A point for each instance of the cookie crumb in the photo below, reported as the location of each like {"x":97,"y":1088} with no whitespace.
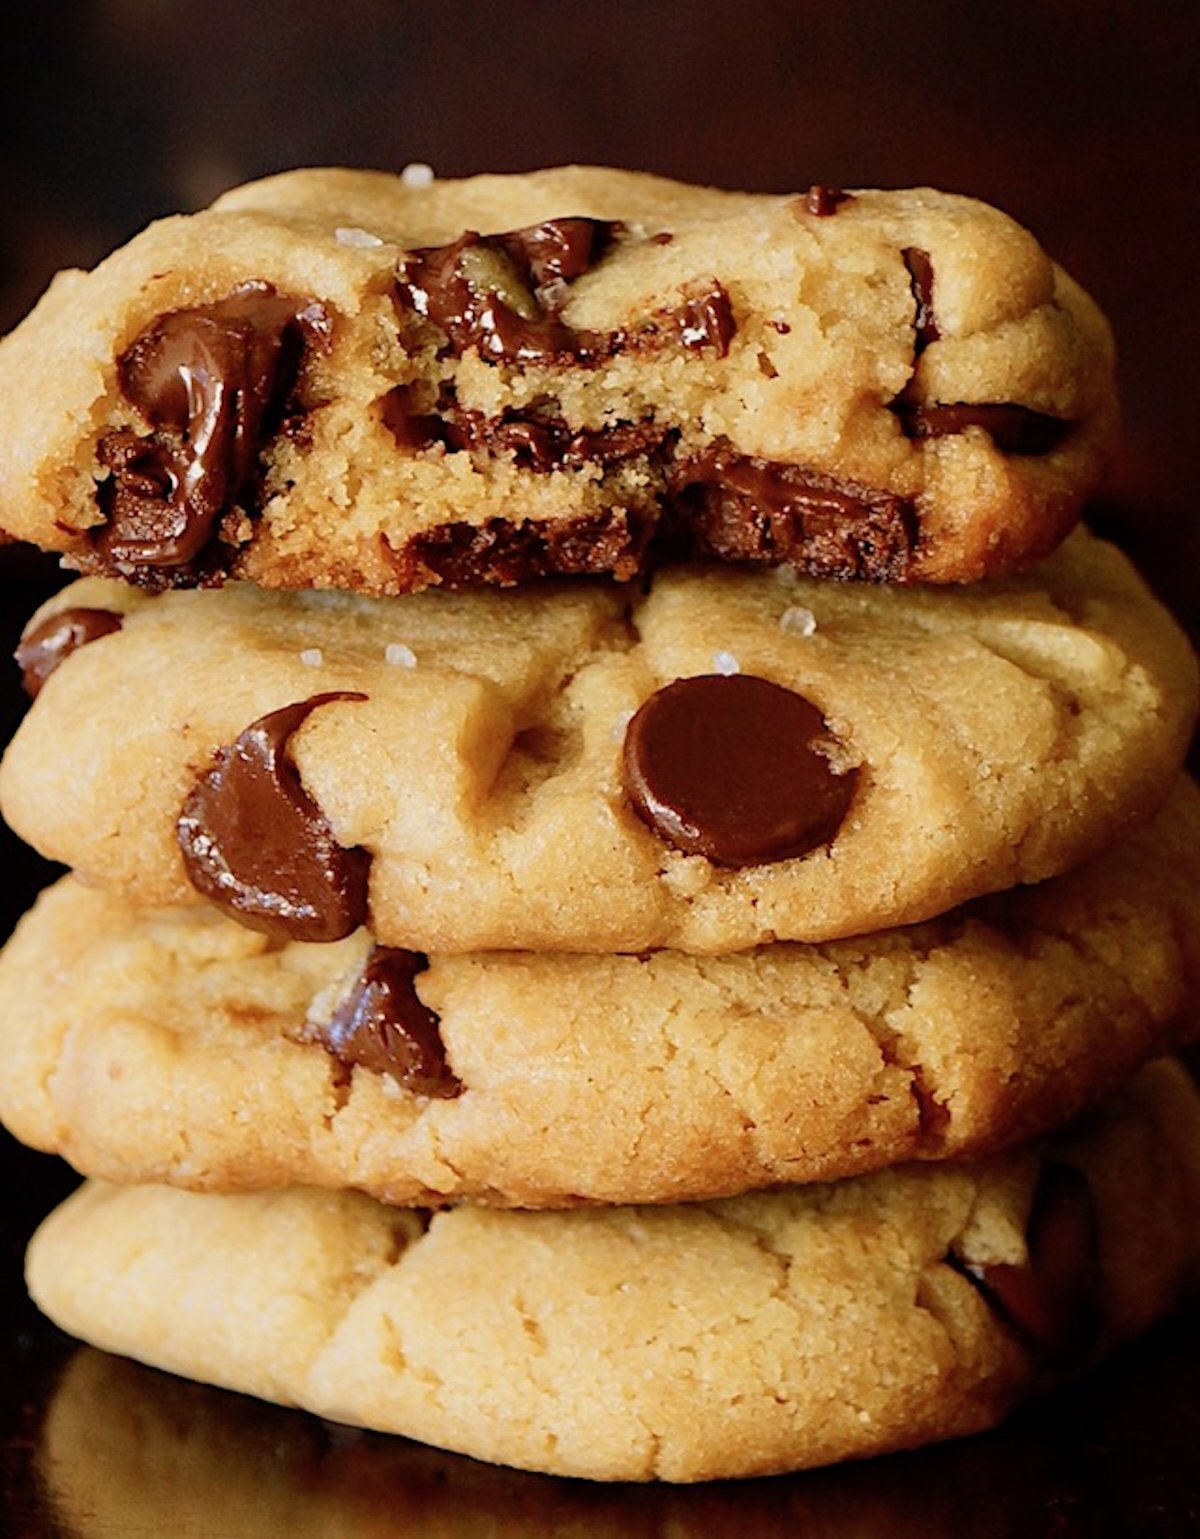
{"x":312,"y":657}
{"x":726,"y":663}
{"x":399,"y":655}
{"x":797,"y":621}
{"x":351,"y":235}
{"x":417,"y":174}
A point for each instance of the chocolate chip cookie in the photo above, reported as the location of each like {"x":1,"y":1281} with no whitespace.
{"x":334,"y":378}
{"x":681,"y":1343}
{"x":178,"y":1046}
{"x":725,"y":760}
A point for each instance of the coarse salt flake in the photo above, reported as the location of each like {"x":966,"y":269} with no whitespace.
{"x":797,"y":621}
{"x":351,"y":235}
{"x":726,"y":663}
{"x":399,"y":655}
{"x":312,"y":657}
{"x":417,"y":174}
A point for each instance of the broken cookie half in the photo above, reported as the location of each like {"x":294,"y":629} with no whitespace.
{"x":337,"y":379}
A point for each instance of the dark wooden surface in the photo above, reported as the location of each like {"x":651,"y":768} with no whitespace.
{"x":1081,"y":119}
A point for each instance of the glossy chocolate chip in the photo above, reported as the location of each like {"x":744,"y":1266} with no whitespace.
{"x":821,"y":201}
{"x":558,"y":251}
{"x":734,"y":768}
{"x":1014,"y":429}
{"x":1054,"y":1303}
{"x":746,"y":509}
{"x":45,"y":646}
{"x":212,"y":382}
{"x":383,"y":1026}
{"x":256,"y":844}
{"x":501,"y":295}
{"x":920,"y":273}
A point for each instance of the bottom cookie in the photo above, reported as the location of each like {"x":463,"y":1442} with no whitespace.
{"x":735,"y":1338}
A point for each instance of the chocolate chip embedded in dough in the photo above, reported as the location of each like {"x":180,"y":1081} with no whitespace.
{"x":212,"y":382}
{"x":256,"y":844}
{"x":384,"y":1026}
{"x":45,"y":646}
{"x":920,"y":273}
{"x":501,"y":293}
{"x":1055,"y":1302}
{"x":1014,"y":429}
{"x":821,"y":201}
{"x":741,"y":508}
{"x":735,"y":768}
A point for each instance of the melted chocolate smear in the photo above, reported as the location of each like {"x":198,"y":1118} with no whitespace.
{"x":731,"y":767}
{"x":920,"y":272}
{"x":744,"y":509}
{"x":257,"y":845}
{"x":822,"y":201}
{"x":502,"y":294}
{"x":384,"y":1027}
{"x":1054,"y":1303}
{"x":47,"y":645}
{"x":213,"y":383}
{"x":1013,"y":429}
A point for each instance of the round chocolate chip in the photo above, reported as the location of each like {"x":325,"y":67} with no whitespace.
{"x":45,"y":646}
{"x":256,"y":844}
{"x":735,"y":768}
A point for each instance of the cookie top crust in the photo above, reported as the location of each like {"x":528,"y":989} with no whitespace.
{"x":971,"y":739}
{"x":683,"y":1343}
{"x":177,"y":1046}
{"x":334,"y":379}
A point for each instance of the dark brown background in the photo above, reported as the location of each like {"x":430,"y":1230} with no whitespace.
{"x":1078,"y":117}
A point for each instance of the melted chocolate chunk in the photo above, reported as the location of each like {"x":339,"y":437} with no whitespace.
{"x":1054,"y":1303}
{"x":1013,"y":429}
{"x":920,"y":272}
{"x":745,"y":509}
{"x":459,"y":555}
{"x":383,"y":1026}
{"x":538,"y":441}
{"x":731,"y":767}
{"x":502,"y":294}
{"x":704,"y":321}
{"x":409,"y":426}
{"x":213,"y":383}
{"x":823,"y":201}
{"x":558,"y":251}
{"x":47,"y":645}
{"x":257,"y":845}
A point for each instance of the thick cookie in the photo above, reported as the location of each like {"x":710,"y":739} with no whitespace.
{"x":181,"y":1047}
{"x":684,"y":1343}
{"x":334,"y":378}
{"x":466,"y":771}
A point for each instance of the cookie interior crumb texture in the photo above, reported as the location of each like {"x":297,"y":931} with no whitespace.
{"x":576,"y":370}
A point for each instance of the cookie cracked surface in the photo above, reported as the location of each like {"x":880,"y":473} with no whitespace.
{"x":334,"y":379}
{"x":180,"y":1047}
{"x":683,"y":1343}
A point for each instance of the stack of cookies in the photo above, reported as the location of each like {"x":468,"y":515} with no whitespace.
{"x":629,"y":868}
